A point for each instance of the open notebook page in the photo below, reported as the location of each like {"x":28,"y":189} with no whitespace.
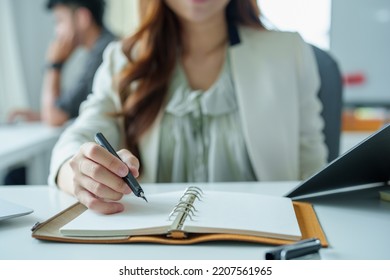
{"x":139,"y":217}
{"x":243,"y":213}
{"x":217,"y":212}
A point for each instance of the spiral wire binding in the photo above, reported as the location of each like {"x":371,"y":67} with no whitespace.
{"x":194,"y":191}
{"x":185,"y":207}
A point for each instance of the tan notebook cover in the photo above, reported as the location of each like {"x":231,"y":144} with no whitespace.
{"x":49,"y":230}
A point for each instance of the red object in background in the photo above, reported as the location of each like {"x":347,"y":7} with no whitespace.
{"x":354,"y":79}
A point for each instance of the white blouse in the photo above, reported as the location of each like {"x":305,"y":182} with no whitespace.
{"x":201,"y":138}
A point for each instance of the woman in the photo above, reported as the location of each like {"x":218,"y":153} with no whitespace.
{"x":202,"y":92}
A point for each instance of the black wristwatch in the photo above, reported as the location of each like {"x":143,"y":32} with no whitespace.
{"x":55,"y":65}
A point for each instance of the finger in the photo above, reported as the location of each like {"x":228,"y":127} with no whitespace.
{"x":102,"y":176}
{"x":99,"y":190}
{"x":105,"y":158}
{"x":98,"y":205}
{"x":130,"y":160}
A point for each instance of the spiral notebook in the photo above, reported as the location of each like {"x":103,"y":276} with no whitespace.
{"x":193,"y":211}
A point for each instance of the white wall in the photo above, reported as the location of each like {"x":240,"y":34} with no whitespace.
{"x":13,"y":92}
{"x":33,"y":25}
{"x":122,"y":16}
{"x":356,"y":33}
{"x":311,"y":18}
{"x":360,"y":40}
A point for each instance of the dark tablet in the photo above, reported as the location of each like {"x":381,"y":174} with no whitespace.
{"x":368,"y":163}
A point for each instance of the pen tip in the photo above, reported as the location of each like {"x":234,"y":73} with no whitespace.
{"x":143,"y":196}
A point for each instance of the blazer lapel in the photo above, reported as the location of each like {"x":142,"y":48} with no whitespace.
{"x":254,"y":80}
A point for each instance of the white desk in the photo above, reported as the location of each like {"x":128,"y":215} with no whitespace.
{"x":29,"y":144}
{"x":357,"y":226}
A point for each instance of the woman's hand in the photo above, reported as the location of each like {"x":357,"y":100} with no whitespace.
{"x":97,"y":177}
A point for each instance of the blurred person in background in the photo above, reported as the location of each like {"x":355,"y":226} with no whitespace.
{"x":78,"y":23}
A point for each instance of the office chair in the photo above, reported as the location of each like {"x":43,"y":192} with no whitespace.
{"x":330,"y":94}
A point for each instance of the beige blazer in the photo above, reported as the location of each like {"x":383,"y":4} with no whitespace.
{"x":276,"y":80}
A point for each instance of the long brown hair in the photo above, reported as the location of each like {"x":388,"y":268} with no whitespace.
{"x":143,"y":84}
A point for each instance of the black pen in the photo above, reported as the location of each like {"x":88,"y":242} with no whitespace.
{"x":298,"y":249}
{"x":129,"y":178}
